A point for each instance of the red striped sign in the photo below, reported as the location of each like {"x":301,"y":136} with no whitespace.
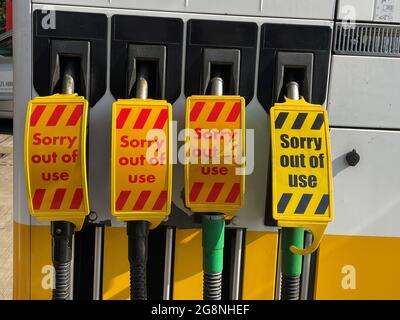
{"x":210,"y":186}
{"x":54,"y":114}
{"x":140,"y":121}
{"x":57,"y":198}
{"x":215,"y":114}
{"x":140,"y":188}
{"x":55,"y":157}
{"x":126,"y":198}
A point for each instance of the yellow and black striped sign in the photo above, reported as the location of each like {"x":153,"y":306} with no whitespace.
{"x":301,"y":162}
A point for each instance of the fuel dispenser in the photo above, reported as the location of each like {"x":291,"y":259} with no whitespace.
{"x":214,"y":183}
{"x":293,"y":68}
{"x":141,"y":174}
{"x":68,"y":77}
{"x":137,"y":44}
{"x":302,"y":181}
{"x":141,"y":163}
{"x":55,"y":164}
{"x":215,"y":150}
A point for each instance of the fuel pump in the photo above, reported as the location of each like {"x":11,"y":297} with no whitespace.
{"x":301,"y":181}
{"x":220,"y":195}
{"x":55,"y":163}
{"x":141,"y":184}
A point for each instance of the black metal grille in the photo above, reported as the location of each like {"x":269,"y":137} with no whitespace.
{"x":367,"y":39}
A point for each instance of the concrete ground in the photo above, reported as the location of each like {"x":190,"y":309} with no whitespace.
{"x":6,"y":209}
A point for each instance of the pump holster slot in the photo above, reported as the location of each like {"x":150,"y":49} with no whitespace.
{"x":153,"y":58}
{"x":77,"y":52}
{"x":224,"y":63}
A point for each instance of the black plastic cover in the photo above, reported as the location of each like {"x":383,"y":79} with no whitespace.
{"x":74,"y":26}
{"x":127,"y":30}
{"x":203,"y":34}
{"x":293,"y":38}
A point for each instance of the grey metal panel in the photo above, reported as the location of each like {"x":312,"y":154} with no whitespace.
{"x":22,"y":94}
{"x":306,"y":9}
{"x":369,"y":10}
{"x":363,"y":92}
{"x":362,"y":9}
{"x":367,"y":196}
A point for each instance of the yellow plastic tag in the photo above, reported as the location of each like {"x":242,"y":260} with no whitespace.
{"x":55,"y":158}
{"x":141,"y":160}
{"x":301,"y":168}
{"x":215,"y":153}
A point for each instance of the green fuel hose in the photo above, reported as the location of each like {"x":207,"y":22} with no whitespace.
{"x":213,"y":255}
{"x":291,"y":263}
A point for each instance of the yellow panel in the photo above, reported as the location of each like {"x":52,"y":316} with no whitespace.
{"x":41,"y":264}
{"x":141,"y":160}
{"x":116,"y":280}
{"x":373,"y":260}
{"x":301,"y":168}
{"x":215,"y":131}
{"x":260,"y":265}
{"x":188,"y":271}
{"x":21,"y":261}
{"x":55,"y":158}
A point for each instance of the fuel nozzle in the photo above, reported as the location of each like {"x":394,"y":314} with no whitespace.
{"x":63,"y":231}
{"x":291,"y":262}
{"x":138,"y":231}
{"x":213,"y":226}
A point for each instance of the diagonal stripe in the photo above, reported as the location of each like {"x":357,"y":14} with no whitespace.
{"x":58,"y":198}
{"x":36,"y":114}
{"x":303,"y":204}
{"x":235,"y":112}
{"x":195,"y":191}
{"x":142,"y":118}
{"x":77,"y":199}
{"x":56,"y":115}
{"x":141,"y":200}
{"x":298,"y":123}
{"x":122,"y":116}
{"x":215,"y":112}
{"x":161,"y":201}
{"x":196,"y":110}
{"x":280,"y":120}
{"x":161,"y":120}
{"x":38,"y":198}
{"x":75,"y":116}
{"x":233,"y":194}
{"x":214,"y":192}
{"x":319,"y":121}
{"x":283,"y":202}
{"x":122,"y":198}
{"x":323,"y":205}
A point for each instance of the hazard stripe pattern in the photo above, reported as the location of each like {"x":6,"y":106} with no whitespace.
{"x":214,"y":113}
{"x":57,"y":197}
{"x":303,"y":205}
{"x":213,"y":195}
{"x":141,"y":120}
{"x":54,"y":115}
{"x":299,"y":121}
{"x":140,"y":201}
